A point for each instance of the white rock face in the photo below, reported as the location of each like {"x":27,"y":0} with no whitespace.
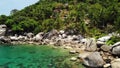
{"x":116,"y":48}
{"x":104,"y":38}
{"x":3,"y":29}
{"x":73,"y":59}
{"x":62,"y":31}
{"x":39,"y":36}
{"x":14,"y":38}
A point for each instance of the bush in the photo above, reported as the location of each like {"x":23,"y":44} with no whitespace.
{"x":113,"y":40}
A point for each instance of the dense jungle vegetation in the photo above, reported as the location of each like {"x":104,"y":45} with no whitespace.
{"x":88,"y":17}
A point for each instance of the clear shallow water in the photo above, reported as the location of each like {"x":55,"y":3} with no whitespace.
{"x":32,"y":56}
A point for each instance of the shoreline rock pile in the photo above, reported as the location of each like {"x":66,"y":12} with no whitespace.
{"x":93,"y":53}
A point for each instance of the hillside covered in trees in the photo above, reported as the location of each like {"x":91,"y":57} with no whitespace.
{"x":88,"y":17}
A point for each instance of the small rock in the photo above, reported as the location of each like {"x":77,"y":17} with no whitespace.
{"x":72,"y":52}
{"x":67,"y":47}
{"x":73,"y":59}
{"x":62,"y":31}
{"x":107,"y":65}
{"x":105,"y":48}
{"x":64,"y":36}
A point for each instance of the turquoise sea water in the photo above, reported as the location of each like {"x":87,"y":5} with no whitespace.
{"x":34,"y":56}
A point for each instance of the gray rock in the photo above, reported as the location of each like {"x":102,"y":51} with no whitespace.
{"x":83,"y":41}
{"x":105,"y":48}
{"x":39,"y":36}
{"x":13,"y":38}
{"x":91,"y":45}
{"x":30,"y":35}
{"x":93,"y":60}
{"x":4,"y":39}
{"x":115,"y":63}
{"x":116,"y":48}
{"x":50,"y":34}
{"x":3,"y":29}
{"x":100,"y":43}
{"x":59,"y":43}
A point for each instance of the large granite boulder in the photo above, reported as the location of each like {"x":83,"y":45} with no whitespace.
{"x":3,"y":29}
{"x":93,"y":59}
{"x":116,"y":48}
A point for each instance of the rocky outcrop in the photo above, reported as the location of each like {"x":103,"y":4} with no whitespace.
{"x":94,"y":53}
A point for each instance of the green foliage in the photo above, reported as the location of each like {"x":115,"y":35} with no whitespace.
{"x":113,"y":40}
{"x":45,"y":15}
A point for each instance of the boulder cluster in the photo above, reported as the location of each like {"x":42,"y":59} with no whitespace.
{"x":92,"y":52}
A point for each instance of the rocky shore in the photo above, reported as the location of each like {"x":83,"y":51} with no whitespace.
{"x":91,"y":52}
